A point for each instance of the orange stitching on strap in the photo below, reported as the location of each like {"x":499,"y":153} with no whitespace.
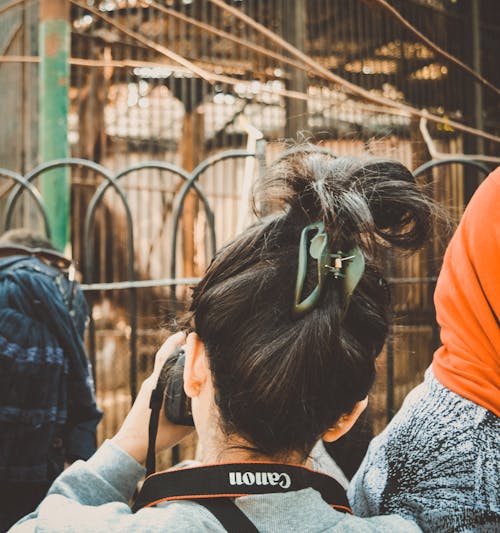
{"x":342,"y":507}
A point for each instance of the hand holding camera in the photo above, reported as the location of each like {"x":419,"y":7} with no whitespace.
{"x":176,"y":405}
{"x":132,"y":437}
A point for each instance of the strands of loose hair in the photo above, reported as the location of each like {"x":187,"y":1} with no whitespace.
{"x":282,"y":381}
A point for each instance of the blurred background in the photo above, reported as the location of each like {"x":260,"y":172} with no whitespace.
{"x":132,"y":133}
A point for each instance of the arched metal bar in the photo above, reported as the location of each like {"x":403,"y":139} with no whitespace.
{"x":73,"y":161}
{"x":23,"y":183}
{"x":57,"y":163}
{"x":44,"y":167}
{"x":168,"y":167}
{"x":111,"y":181}
{"x":448,"y":161}
{"x":159,"y":165}
{"x":184,"y":175}
{"x":228,"y":154}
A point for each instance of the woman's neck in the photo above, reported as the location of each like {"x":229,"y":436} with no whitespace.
{"x":235,"y":449}
{"x":214,"y":446}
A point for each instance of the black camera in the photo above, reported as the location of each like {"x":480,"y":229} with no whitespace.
{"x":176,"y":405}
{"x":169,"y":394}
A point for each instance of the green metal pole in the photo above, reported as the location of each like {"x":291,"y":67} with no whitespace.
{"x":53,"y":123}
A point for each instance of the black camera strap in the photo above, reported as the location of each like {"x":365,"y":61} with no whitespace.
{"x":215,"y":486}
{"x":155,"y":403}
{"x":232,"y":518}
{"x":177,"y":409}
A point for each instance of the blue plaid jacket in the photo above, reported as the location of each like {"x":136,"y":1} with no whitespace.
{"x":48,"y":411}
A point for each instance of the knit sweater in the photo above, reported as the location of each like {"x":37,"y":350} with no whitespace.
{"x":93,"y":496}
{"x":437,"y":462}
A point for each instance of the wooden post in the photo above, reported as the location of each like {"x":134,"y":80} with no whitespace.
{"x":473,"y":104}
{"x":476,"y":65}
{"x":53,"y":124}
{"x":294,"y":31}
{"x":191,"y":154}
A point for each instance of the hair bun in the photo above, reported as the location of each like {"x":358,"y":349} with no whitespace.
{"x":358,"y":199}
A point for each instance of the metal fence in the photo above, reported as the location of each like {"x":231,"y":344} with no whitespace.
{"x":128,"y":296}
{"x":118,"y":368}
{"x":128,"y":103}
{"x":160,"y":160}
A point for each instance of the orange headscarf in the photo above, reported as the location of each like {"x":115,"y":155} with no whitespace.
{"x":467,"y":301}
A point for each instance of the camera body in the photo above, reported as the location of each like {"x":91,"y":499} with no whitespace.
{"x":176,"y":405}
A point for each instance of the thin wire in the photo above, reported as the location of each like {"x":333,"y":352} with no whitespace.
{"x":229,"y":36}
{"x":351,"y":87}
{"x":433,"y":46}
{"x":387,"y":107}
{"x":148,"y":42}
{"x":131,"y":63}
{"x":314,"y":65}
{"x":436,"y":154}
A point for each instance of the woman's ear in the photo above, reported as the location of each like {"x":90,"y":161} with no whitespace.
{"x":196,"y":369}
{"x":345,"y":422}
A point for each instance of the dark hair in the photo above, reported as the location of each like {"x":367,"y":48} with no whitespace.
{"x":282,"y":382}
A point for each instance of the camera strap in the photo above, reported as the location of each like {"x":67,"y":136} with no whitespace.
{"x":155,"y":403}
{"x":215,"y":487}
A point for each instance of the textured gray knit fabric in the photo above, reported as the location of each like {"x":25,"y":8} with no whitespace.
{"x":92,"y":497}
{"x":437,"y":462}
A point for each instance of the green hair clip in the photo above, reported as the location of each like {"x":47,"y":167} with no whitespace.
{"x":328,"y":263}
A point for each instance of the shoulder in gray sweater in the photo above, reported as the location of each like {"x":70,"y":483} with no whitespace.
{"x":93,"y":497}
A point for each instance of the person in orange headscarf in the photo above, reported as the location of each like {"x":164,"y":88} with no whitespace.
{"x":438,"y":461}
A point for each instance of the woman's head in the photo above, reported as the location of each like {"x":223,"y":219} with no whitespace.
{"x":281,"y":381}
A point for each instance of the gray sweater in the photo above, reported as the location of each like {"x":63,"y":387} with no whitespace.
{"x":437,"y":463}
{"x":92,"y":497}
